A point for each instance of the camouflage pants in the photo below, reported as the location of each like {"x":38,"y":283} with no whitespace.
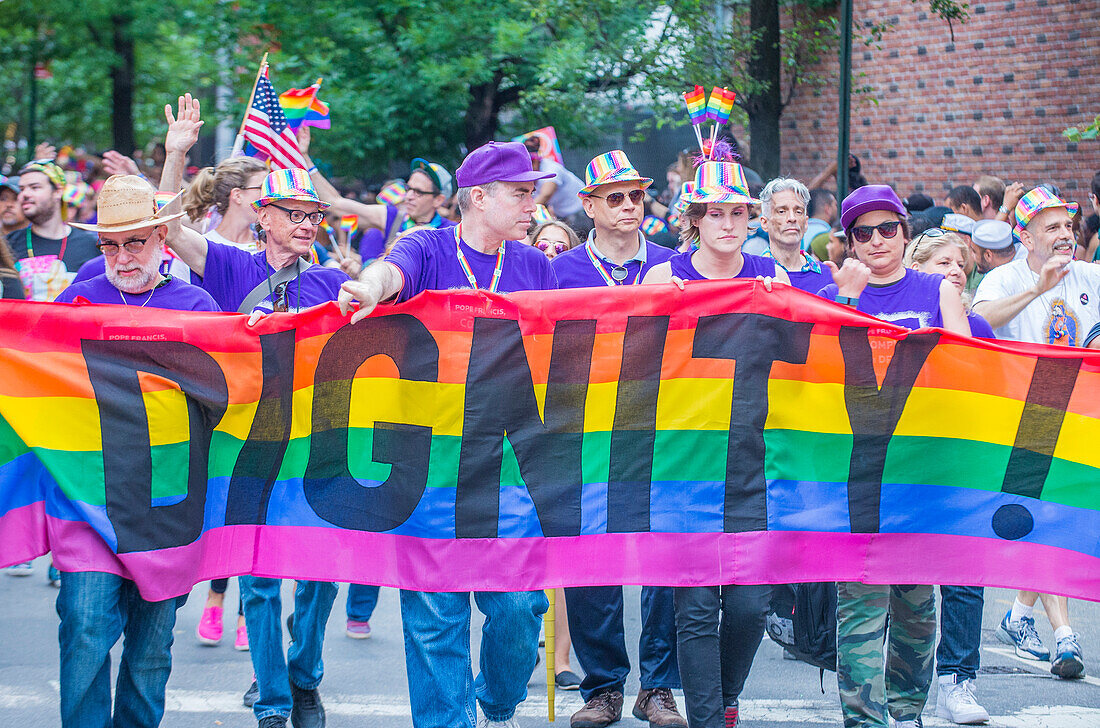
{"x":868,"y":688}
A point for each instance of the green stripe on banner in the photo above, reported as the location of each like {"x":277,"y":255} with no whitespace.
{"x":79,"y":473}
{"x":11,"y":445}
{"x":946,"y":461}
{"x":807,"y":456}
{"x":1072,"y":484}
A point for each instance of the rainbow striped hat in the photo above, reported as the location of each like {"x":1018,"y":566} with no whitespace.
{"x":610,"y":168}
{"x":288,"y":184}
{"x":721,"y":182}
{"x":1034,"y":202}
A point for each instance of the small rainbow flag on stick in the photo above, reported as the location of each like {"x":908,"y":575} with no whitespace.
{"x":393,"y":193}
{"x":697,"y":105}
{"x":302,"y":107}
{"x":720,"y":105}
{"x":349,"y":224}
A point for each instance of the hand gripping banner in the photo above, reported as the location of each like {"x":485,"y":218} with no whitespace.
{"x":467,"y":441}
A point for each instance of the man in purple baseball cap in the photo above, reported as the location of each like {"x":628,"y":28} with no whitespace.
{"x":496,"y":196}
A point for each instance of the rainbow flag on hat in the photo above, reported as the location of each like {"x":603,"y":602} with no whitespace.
{"x":302,"y":107}
{"x":393,"y":193}
{"x":720,"y":105}
{"x":696,"y":101}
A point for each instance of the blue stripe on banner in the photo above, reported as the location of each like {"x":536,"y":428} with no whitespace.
{"x":808,"y":506}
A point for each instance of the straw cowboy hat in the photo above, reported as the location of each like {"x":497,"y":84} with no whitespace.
{"x":127,"y":202}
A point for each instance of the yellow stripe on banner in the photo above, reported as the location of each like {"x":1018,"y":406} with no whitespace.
{"x":599,"y":407}
{"x":167,"y":413}
{"x":1081,"y":447}
{"x":694,"y":404}
{"x":807,"y":406}
{"x":54,"y":423}
{"x":960,"y":415}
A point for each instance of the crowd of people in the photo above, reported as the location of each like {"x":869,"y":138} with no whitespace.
{"x":1012,"y":262}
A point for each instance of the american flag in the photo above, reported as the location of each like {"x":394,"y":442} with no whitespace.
{"x":267,"y":129}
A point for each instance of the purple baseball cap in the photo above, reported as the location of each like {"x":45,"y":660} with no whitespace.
{"x":868,"y":199}
{"x":498,"y":162}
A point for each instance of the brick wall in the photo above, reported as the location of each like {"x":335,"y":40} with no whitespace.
{"x":993,"y":101}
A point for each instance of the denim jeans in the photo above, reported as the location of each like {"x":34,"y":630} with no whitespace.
{"x":437,"y":654}
{"x":362,"y":599}
{"x":718,"y":630}
{"x":596,"y":629}
{"x":959,"y":652}
{"x":263,"y":611}
{"x":95,"y":610}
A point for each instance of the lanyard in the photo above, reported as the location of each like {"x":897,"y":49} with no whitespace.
{"x":618,"y":273}
{"x":30,"y":246}
{"x":466,"y":265}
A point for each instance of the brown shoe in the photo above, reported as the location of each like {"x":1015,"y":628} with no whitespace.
{"x":658,"y":706}
{"x":601,"y":710}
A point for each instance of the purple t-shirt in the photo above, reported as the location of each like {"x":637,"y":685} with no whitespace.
{"x":171,"y":293}
{"x":979,"y":327}
{"x":809,"y":280}
{"x":753,"y":266}
{"x":576,"y":269}
{"x":429,"y":262}
{"x":912,"y":302}
{"x":232,"y":273}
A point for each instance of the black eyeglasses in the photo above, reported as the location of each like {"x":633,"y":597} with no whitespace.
{"x":863,"y":233}
{"x":297,"y":216}
{"x":419,"y":192}
{"x":133,"y":247}
{"x":617,"y":198}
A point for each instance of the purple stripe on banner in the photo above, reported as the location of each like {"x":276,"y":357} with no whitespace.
{"x":23,"y":534}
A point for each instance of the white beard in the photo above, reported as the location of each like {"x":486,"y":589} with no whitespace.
{"x":138,"y":284}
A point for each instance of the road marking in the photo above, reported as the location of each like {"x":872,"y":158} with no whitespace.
{"x":1011,"y":653}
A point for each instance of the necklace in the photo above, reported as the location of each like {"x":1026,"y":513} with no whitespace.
{"x":147,"y":300}
{"x":469,"y":271}
{"x":30,"y":245}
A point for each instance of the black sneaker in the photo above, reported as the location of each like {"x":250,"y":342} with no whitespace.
{"x":251,"y":695}
{"x":567,"y":680}
{"x":307,"y":711}
{"x":290,"y":625}
{"x":273,"y":721}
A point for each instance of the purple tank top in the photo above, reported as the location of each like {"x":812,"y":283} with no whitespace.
{"x":753,"y":266}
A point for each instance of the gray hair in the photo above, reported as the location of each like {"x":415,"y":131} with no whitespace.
{"x":782,"y":184}
{"x":463,"y":194}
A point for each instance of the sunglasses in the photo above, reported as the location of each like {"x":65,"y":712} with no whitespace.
{"x":558,"y":247}
{"x":617,"y":198}
{"x":133,"y":247}
{"x":863,"y":233}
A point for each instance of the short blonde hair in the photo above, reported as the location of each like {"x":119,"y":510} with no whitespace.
{"x":922,"y":247}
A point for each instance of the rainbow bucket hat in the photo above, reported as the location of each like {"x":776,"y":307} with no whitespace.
{"x":1034,"y":202}
{"x":720,"y":182}
{"x":288,"y":184}
{"x":609,"y":168}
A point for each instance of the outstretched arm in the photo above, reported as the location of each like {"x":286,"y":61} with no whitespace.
{"x":183,"y":132}
{"x":379,"y":281}
{"x":372,"y":215}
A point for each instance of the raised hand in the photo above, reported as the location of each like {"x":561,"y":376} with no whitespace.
{"x":116,"y":163}
{"x":303,"y":135}
{"x":183,"y":129}
{"x":1013,"y":193}
{"x":1053,"y":271}
{"x":45,"y":150}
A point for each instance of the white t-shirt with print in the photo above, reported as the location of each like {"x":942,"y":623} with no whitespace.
{"x":1063,"y":315}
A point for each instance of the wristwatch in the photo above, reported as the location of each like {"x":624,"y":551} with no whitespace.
{"x":847,"y":300}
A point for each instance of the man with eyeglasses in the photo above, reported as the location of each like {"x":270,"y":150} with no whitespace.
{"x":48,"y":251}
{"x":875,"y":691}
{"x":278,"y":278}
{"x":96,"y":608}
{"x":495,"y":193}
{"x":617,"y":254}
{"x":429,"y":188}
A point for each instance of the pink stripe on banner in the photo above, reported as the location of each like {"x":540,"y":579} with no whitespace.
{"x":775,"y":557}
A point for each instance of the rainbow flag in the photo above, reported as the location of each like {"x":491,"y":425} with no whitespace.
{"x":696,"y":101}
{"x":75,"y":193}
{"x":653,"y":225}
{"x":548,"y":143}
{"x":720,"y":105}
{"x":348,"y":225}
{"x":302,"y":107}
{"x":392,"y":194}
{"x":472,"y":441}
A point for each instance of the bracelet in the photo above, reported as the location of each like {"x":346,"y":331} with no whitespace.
{"x":847,"y":300}
{"x":1003,"y":210}
{"x":312,"y":169}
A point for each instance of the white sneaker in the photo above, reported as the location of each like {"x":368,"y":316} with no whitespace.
{"x":956,"y":702}
{"x":486,"y":723}
{"x":24,"y":569}
{"x":906,"y":723}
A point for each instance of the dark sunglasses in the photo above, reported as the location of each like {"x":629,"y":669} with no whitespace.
{"x":558,"y":247}
{"x":133,"y":247}
{"x":617,"y":198}
{"x":863,"y":233}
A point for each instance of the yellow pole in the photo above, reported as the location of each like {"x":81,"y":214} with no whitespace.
{"x":548,"y":630}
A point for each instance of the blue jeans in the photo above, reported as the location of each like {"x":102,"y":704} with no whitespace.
{"x":263,"y":611}
{"x":437,"y":654}
{"x":95,"y":610}
{"x":362,"y":600}
{"x":596,"y":629}
{"x":960,"y":631}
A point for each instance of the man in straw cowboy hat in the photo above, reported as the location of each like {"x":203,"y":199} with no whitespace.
{"x":96,"y":608}
{"x":277,"y":278}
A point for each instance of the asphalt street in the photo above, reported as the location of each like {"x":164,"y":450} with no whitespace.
{"x":365,"y":683}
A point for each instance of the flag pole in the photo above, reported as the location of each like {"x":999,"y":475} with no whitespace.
{"x":238,"y":144}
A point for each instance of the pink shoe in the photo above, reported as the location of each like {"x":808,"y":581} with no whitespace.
{"x":358,"y":630}
{"x":210,"y":626}
{"x":241,"y":643}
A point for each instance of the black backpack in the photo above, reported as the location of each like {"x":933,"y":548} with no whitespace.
{"x":812,"y":621}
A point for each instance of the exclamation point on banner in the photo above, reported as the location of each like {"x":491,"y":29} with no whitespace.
{"x":1048,"y":397}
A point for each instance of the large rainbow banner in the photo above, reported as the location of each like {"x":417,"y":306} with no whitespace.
{"x":467,"y":441}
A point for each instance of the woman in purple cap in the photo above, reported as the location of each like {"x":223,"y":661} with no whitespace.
{"x":718,"y":628}
{"x":877,"y":282}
